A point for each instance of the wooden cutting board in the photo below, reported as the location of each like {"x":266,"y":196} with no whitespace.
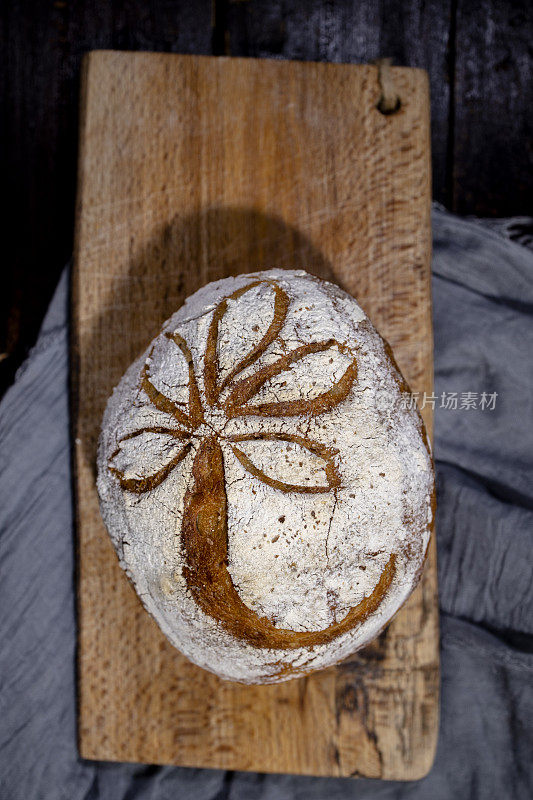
{"x":192,"y":169}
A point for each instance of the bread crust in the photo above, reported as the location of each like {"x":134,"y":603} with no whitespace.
{"x":272,"y":512}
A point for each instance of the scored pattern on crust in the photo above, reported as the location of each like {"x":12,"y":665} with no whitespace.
{"x":204,"y":531}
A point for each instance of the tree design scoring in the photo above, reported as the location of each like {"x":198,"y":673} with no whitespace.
{"x":204,"y":531}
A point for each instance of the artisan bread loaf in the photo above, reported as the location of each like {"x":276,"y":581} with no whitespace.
{"x":265,"y":479}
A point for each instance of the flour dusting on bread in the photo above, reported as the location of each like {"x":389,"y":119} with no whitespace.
{"x":271,"y":510}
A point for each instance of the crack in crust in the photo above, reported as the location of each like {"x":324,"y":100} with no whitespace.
{"x":204,"y":533}
{"x":205,"y":541}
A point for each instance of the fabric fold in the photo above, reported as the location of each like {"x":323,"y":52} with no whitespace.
{"x":483,"y":301}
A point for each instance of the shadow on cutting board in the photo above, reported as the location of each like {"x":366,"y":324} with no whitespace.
{"x":138,"y":296}
{"x":184,"y":255}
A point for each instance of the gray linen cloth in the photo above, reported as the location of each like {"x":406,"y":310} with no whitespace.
{"x":483,"y":314}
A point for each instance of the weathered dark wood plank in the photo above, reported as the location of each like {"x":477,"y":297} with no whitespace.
{"x":413,"y":34}
{"x":42,"y":45}
{"x":493,"y":92}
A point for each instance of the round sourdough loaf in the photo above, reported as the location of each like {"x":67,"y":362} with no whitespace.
{"x":265,"y":478}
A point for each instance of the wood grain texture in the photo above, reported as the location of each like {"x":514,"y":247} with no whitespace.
{"x":413,"y":34}
{"x":192,"y":169}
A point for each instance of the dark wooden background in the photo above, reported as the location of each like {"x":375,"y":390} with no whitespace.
{"x":478,"y":54}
